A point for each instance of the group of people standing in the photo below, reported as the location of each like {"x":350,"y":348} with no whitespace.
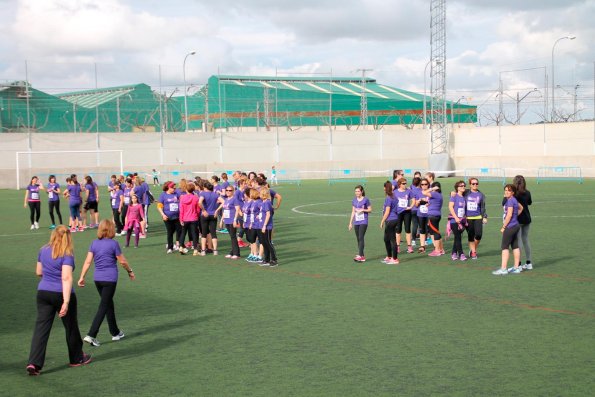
{"x":417,"y":208}
{"x":244,"y":207}
{"x":56,"y":295}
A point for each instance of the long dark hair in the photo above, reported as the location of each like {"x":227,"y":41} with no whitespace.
{"x":361,"y":188}
{"x":388,"y":189}
{"x":520,"y":184}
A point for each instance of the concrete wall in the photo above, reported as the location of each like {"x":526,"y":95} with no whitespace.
{"x":516,"y":148}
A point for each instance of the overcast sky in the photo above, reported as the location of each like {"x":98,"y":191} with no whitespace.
{"x":129,"y":41}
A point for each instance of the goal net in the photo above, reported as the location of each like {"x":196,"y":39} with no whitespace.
{"x":99,"y":164}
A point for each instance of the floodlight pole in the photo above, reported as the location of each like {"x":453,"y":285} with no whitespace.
{"x":553,"y":80}
{"x":185,"y":93}
{"x":425,"y":92}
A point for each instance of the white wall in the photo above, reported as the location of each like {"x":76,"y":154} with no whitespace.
{"x":517,"y":148}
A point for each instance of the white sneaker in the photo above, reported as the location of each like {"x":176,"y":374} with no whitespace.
{"x":169,"y":251}
{"x":513,"y":270}
{"x":36,"y":225}
{"x":119,"y":336}
{"x":500,"y":272}
{"x":91,"y":341}
{"x":183,"y":250}
{"x":413,"y":243}
{"x":528,"y":266}
{"x":32,"y":227}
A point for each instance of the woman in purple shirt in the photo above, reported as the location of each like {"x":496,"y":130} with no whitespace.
{"x":360,"y":209}
{"x":389,"y":218}
{"x":457,"y":209}
{"x":33,"y":200}
{"x":73,"y":192}
{"x":92,"y":203}
{"x":510,"y":232}
{"x":434,"y":195}
{"x":208,"y":204}
{"x":55,"y":264}
{"x":404,"y":199}
{"x":168,"y":206}
{"x":53,"y":190}
{"x":106,"y":253}
{"x":265,"y":230}
{"x":230,"y":209}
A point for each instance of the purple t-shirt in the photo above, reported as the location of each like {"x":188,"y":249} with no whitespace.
{"x":402,"y":199}
{"x":390,"y":202}
{"x":229,"y":209}
{"x":474,"y":202}
{"x":145,"y":197}
{"x":239,"y":196}
{"x":360,"y":218}
{"x":91,"y":188}
{"x":116,"y":196}
{"x":210,"y":203}
{"x":415,"y":194}
{"x":51,"y":269}
{"x":33,"y":193}
{"x":435,"y":204}
{"x":52,"y":195}
{"x":514,"y":221}
{"x":171,"y":205}
{"x":126,"y":197}
{"x":74,"y":192}
{"x":266,"y":206}
{"x":257,"y":215}
{"x":247,"y":210}
{"x":140,"y":191}
{"x":460,"y":205}
{"x":104,"y":252}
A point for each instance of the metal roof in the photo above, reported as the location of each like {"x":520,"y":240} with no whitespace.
{"x":92,"y":98}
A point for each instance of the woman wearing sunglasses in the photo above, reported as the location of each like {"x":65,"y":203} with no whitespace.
{"x":230,"y":207}
{"x":476,"y":216}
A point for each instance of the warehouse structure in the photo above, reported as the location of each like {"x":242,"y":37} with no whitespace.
{"x":225,"y":103}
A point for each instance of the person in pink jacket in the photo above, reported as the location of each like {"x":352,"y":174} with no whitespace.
{"x":189,"y":211}
{"x":134,"y":218}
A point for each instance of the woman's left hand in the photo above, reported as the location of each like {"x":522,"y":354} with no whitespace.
{"x":63,"y":309}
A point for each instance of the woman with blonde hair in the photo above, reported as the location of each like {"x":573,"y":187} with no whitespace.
{"x":55,"y":264}
{"x":106,"y":253}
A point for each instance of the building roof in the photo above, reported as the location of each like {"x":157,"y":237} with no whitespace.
{"x":92,"y":98}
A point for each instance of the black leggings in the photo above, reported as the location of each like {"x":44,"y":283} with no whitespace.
{"x":192,"y":229}
{"x":208,"y":225}
{"x":251,"y":235}
{"x":457,"y":245}
{"x":235,"y":247}
{"x":360,"y":232}
{"x":405,"y":217}
{"x":423,"y":224}
{"x":123,"y":215}
{"x":474,"y":229}
{"x":34,"y":210}
{"x":172,"y":226}
{"x":106,"y":290}
{"x":55,"y":205}
{"x":269,"y":250}
{"x":434,"y":227}
{"x":414,"y":224}
{"x":117,"y":221}
{"x":390,"y":238}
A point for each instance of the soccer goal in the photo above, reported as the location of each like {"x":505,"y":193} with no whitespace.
{"x":289,"y":177}
{"x":545,"y":174}
{"x":99,"y":164}
{"x":352,"y":176}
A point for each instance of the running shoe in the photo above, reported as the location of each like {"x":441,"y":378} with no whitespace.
{"x":202,"y":253}
{"x":183,"y":250}
{"x":392,"y":261}
{"x":385,"y":260}
{"x":195,"y":253}
{"x":52,"y":227}
{"x":454,"y":256}
{"x":362,"y":259}
{"x":143,"y":235}
{"x":32,"y":370}
{"x":228,"y":256}
{"x":86,"y":359}
{"x":515,"y":270}
{"x":410,"y":249}
{"x":235,"y":257}
{"x":169,"y":251}
{"x":119,"y":336}
{"x":357,"y":258}
{"x":263,"y":264}
{"x":36,"y":225}
{"x":91,"y":341}
{"x":500,"y":272}
{"x":32,"y":227}
{"x":528,"y":266}
{"x":215,"y":252}
{"x":434,"y":253}
{"x":462,"y":257}
{"x":473,"y":255}
{"x":249,"y":258}
{"x":273,"y":264}
{"x":73,"y":230}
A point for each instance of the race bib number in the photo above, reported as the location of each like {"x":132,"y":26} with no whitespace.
{"x":245,"y":218}
{"x":360,"y":216}
{"x":126,"y":200}
{"x":51,"y":195}
{"x":173,"y":207}
{"x":251,"y":218}
{"x":460,"y":212}
{"x":226,"y":214}
{"x":113,"y":202}
{"x":34,"y":196}
{"x":423,"y":209}
{"x":471,"y":206}
{"x":403,"y":203}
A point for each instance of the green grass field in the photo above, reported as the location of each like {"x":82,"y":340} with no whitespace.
{"x":320,"y":324}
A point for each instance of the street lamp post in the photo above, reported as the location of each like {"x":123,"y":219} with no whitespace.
{"x":185,"y":93}
{"x":553,"y":80}
{"x":438,"y":62}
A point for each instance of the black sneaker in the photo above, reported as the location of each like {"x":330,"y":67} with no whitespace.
{"x":273,"y":264}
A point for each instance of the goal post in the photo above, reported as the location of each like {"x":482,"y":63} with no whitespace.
{"x":62,"y":162}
